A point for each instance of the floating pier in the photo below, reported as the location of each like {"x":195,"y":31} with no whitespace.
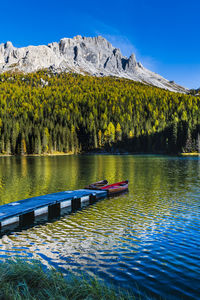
{"x":29,"y":212}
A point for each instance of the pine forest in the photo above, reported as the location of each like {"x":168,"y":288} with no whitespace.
{"x":46,"y":113}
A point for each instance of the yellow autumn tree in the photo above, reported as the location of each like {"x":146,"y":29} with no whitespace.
{"x":118,"y":132}
{"x":109,"y":133}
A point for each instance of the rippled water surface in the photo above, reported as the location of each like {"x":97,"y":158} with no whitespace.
{"x":146,"y":240}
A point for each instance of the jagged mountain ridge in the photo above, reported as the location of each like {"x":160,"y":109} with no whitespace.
{"x":85,"y":55}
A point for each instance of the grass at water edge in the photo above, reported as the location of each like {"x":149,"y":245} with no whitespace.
{"x":20,"y":280}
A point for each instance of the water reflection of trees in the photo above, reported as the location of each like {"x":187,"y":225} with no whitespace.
{"x":153,"y":179}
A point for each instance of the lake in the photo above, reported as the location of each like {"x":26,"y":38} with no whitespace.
{"x":147,"y":240}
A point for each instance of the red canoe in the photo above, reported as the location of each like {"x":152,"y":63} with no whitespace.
{"x":116,"y":188}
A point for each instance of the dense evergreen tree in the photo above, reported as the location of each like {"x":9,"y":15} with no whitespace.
{"x":75,"y":113}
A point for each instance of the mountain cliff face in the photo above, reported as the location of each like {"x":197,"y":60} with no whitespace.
{"x":85,"y":55}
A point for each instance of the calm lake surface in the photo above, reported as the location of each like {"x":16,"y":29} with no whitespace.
{"x":146,"y":240}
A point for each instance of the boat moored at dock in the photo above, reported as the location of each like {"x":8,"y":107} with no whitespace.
{"x":116,"y":188}
{"x":112,"y":189}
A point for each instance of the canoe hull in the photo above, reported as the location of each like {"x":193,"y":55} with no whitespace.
{"x":97,"y":185}
{"x":112,"y":189}
{"x":117,"y":191}
{"x":116,"y":188}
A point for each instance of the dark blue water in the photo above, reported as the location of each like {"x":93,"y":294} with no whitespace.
{"x":147,"y":240}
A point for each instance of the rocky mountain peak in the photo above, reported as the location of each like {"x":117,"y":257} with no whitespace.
{"x":92,"y":55}
{"x":8,"y":45}
{"x":77,"y":37}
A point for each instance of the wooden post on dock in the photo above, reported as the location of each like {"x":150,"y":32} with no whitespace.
{"x":76,"y":204}
{"x":26,"y":219}
{"x":54,"y":211}
{"x":93,"y":198}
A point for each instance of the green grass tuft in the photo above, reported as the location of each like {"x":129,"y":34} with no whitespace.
{"x":20,"y":280}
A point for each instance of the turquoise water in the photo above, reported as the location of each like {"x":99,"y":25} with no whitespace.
{"x":146,"y":240}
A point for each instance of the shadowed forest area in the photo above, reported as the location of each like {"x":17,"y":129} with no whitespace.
{"x":45,"y":113}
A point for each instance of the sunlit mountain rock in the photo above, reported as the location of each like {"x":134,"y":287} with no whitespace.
{"x":84,"y":55}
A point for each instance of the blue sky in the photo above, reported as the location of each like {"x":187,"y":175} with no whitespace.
{"x":164,"y":35}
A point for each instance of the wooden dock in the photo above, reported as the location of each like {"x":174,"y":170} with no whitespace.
{"x":29,"y":212}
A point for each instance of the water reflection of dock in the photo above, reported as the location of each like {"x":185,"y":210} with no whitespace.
{"x":44,"y":208}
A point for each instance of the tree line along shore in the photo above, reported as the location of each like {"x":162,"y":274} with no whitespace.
{"x":50,"y":113}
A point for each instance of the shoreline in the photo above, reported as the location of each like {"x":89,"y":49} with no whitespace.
{"x":190,"y":154}
{"x":99,"y":153}
{"x":38,"y":155}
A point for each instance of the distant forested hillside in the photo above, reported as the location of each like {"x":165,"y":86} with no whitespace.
{"x":43,"y":113}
